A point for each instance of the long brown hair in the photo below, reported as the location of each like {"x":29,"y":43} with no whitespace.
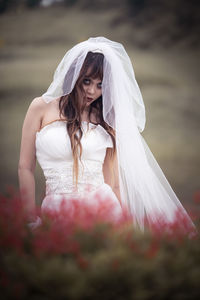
{"x":69,"y":107}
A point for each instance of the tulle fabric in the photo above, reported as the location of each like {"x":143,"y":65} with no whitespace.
{"x":143,"y":187}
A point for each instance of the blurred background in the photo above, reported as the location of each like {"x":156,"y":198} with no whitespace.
{"x":162,"y":40}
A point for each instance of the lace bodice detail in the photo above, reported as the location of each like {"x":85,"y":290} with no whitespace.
{"x":53,"y":151}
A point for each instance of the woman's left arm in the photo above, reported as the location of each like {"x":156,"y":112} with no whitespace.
{"x":111,"y":175}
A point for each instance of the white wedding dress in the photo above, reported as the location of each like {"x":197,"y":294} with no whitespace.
{"x":53,"y":152}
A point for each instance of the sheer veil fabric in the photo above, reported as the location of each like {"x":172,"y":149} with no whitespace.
{"x":143,"y":187}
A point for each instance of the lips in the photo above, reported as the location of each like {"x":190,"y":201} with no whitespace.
{"x":89,"y":99}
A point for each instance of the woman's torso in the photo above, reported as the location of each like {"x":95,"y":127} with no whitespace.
{"x":54,"y":154}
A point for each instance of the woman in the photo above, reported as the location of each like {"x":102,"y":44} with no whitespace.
{"x":94,"y":88}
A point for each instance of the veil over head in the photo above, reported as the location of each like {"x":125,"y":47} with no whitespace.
{"x":144,"y":189}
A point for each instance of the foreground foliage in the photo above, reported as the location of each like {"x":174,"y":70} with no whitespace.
{"x":82,"y":255}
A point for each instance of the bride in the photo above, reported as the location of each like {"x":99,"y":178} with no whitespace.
{"x":85,"y":133}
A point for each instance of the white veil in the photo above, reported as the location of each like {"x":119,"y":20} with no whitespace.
{"x":143,"y":187}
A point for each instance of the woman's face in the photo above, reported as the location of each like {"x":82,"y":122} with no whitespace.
{"x":92,"y":89}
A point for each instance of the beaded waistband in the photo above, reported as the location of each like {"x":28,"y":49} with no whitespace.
{"x":59,"y":180}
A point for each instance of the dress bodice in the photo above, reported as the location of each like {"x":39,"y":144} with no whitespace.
{"x":54,"y":154}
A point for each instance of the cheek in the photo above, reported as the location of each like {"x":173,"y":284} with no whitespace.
{"x":99,"y":93}
{"x":84,"y":88}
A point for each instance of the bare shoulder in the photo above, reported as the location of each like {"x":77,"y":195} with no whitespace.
{"x":37,"y":109}
{"x":35,"y":113}
{"x":38,"y":103}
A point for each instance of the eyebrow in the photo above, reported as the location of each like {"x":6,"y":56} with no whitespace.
{"x":90,"y":77}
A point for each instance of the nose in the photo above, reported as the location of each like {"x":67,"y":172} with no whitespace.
{"x":91,"y":89}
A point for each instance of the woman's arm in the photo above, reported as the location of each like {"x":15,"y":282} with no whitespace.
{"x":111,"y":175}
{"x":27,"y":159}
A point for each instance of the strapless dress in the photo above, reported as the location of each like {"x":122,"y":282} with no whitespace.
{"x":54,"y":154}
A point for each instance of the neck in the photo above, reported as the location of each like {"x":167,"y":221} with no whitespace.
{"x":85,"y":114}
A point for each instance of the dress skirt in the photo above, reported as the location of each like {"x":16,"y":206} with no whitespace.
{"x":102,"y":197}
